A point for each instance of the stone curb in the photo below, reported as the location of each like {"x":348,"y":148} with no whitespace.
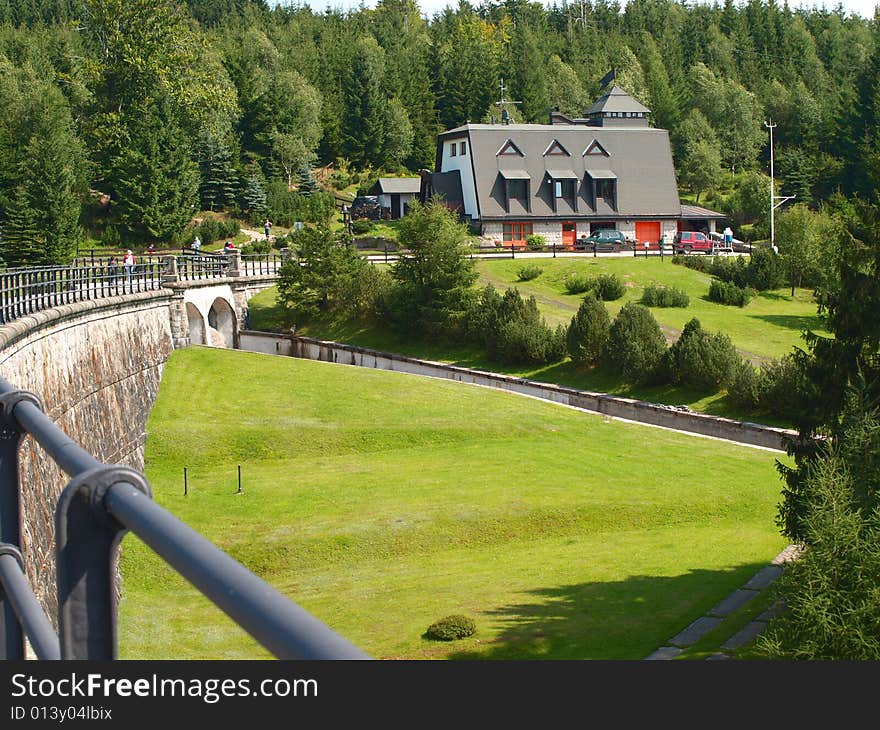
{"x":740,"y":597}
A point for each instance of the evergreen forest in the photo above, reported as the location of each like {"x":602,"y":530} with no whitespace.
{"x":121,"y":119}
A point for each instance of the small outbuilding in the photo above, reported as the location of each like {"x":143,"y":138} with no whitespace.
{"x":395,"y":194}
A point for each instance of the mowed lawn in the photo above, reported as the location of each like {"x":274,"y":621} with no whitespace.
{"x":381,"y":502}
{"x":766,"y":328}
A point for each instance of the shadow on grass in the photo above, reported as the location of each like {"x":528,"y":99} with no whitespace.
{"x":792,"y":321}
{"x":616,"y":620}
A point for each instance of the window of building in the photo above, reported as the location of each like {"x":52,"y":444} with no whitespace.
{"x":563,"y":189}
{"x":464,"y":148}
{"x":518,"y":190}
{"x":556,"y":148}
{"x":509,"y":148}
{"x":595,"y":148}
{"x":514,"y":232}
{"x":452,"y":149}
{"x":605,"y":189}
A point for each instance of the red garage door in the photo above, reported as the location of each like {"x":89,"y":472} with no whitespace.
{"x":647,"y":231}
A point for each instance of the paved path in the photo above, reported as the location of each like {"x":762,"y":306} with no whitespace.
{"x":716,"y":615}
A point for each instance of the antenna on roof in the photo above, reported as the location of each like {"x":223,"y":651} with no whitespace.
{"x":505,"y":115}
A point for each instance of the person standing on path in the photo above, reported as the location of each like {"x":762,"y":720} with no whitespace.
{"x":128,"y":263}
{"x":267,"y":226}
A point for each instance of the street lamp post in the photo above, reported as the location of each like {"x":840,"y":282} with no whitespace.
{"x":773,"y":196}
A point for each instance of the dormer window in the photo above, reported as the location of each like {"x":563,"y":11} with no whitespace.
{"x":556,"y":148}
{"x":509,"y":148}
{"x":596,"y":148}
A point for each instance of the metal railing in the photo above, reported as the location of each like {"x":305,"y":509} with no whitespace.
{"x":25,"y":291}
{"x":192,"y":267}
{"x":97,"y":507}
{"x":254,"y":264}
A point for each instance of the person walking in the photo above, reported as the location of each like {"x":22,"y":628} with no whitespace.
{"x":128,"y":262}
{"x":196,"y":245}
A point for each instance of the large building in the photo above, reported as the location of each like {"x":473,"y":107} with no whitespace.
{"x":609,"y":169}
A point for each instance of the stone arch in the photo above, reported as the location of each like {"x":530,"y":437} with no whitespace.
{"x":221,"y":324}
{"x":196,"y":325}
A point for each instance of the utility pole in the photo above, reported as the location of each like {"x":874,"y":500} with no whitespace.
{"x":773,"y":196}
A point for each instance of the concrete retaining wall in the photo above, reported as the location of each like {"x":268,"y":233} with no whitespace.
{"x":96,"y":365}
{"x":627,"y":408}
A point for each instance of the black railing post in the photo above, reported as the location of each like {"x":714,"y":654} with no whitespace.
{"x":86,"y":541}
{"x":11,"y":435}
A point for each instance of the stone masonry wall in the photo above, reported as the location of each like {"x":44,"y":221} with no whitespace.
{"x":96,"y":366}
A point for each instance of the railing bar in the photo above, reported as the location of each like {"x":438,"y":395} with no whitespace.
{"x":280,"y":625}
{"x":33,"y":620}
{"x":68,"y":455}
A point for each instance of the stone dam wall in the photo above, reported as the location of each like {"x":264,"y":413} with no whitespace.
{"x":96,"y":365}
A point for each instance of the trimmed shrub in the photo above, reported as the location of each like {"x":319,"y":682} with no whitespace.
{"x":702,"y":359}
{"x":450,"y":628}
{"x":785,"y":388}
{"x":746,"y":388}
{"x":766,"y":270}
{"x":527,"y":273}
{"x":360,"y":227}
{"x":578,"y":283}
{"x":726,"y":292}
{"x":608,"y":287}
{"x":699,"y":263}
{"x":535,"y":242}
{"x":588,"y":333}
{"x":257,"y":246}
{"x":513,"y":331}
{"x":657,"y":295}
{"x":636,"y":346}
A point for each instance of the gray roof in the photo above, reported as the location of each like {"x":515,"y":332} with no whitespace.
{"x":640,"y":158}
{"x":616,"y":100}
{"x":695,"y":211}
{"x":405,"y":185}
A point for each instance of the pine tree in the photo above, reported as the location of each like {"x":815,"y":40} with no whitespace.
{"x":155,"y":180}
{"x":588,"y":332}
{"x":305,"y":181}
{"x":253,"y":195}
{"x":218,"y":183}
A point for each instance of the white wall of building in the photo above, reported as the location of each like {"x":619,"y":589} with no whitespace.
{"x":462,"y":163}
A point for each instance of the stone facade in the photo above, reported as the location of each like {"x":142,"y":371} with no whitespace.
{"x":96,"y":366}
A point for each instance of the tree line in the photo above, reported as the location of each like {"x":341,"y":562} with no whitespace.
{"x":121,"y":118}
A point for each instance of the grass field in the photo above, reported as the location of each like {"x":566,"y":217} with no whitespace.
{"x":767,"y":328}
{"x":381,"y":502}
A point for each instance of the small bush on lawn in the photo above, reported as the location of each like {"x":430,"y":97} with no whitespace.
{"x":578,"y":283}
{"x":699,"y":263}
{"x":657,"y":295}
{"x":702,"y":359}
{"x":608,"y":287}
{"x":535,"y":242}
{"x":726,"y":292}
{"x":636,"y":346}
{"x":527,"y":273}
{"x":766,"y":270}
{"x":587,"y":334}
{"x":450,"y":628}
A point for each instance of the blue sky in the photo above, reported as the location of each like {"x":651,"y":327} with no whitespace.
{"x":864,"y":8}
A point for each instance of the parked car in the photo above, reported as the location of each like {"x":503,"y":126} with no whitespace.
{"x":690,"y":242}
{"x":607,"y":239}
{"x":366,"y":206}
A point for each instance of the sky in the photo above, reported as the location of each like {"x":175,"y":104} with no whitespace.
{"x":865,"y":8}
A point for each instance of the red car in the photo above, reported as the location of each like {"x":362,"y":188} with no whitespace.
{"x":691,"y":241}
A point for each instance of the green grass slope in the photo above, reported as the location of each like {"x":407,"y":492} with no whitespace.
{"x":381,"y":502}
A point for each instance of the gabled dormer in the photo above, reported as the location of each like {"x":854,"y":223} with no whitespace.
{"x":556,"y":148}
{"x":509,"y":148}
{"x":595,"y":148}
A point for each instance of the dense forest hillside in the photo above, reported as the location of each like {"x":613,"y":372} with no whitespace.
{"x":123,"y":117}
